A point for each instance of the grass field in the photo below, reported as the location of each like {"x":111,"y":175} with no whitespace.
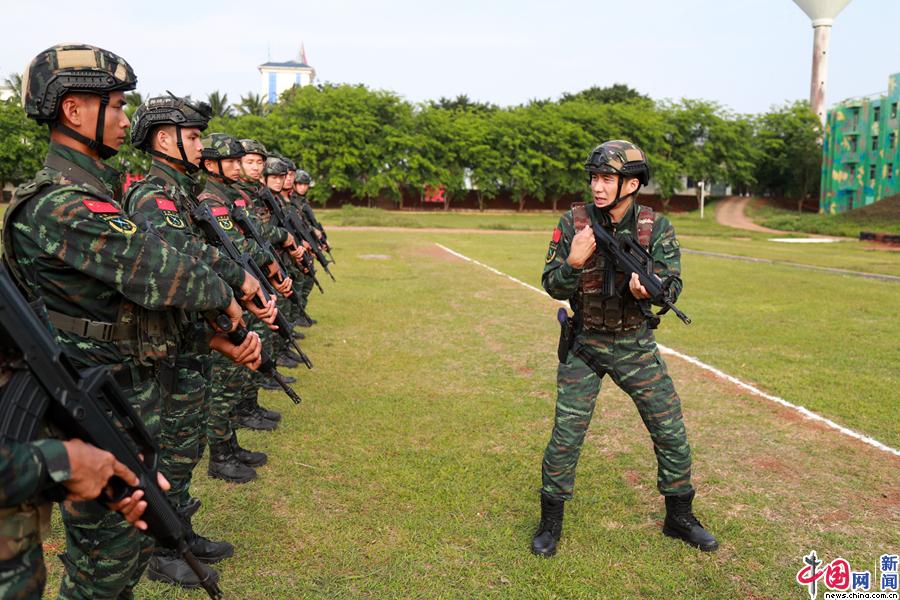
{"x":411,"y":469}
{"x":881,"y":217}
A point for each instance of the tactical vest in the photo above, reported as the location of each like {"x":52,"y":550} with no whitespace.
{"x":618,"y":311}
{"x":141,"y":334}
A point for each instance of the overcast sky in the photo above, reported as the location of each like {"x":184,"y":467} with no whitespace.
{"x":745,"y":54}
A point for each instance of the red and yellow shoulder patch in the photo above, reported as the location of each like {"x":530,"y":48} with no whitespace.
{"x":557,"y":235}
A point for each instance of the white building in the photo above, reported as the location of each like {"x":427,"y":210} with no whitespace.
{"x":276,"y":77}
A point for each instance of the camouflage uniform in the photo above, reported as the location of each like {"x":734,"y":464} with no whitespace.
{"x":107,"y":281}
{"x":27,"y":472}
{"x":612,"y":335}
{"x":232,"y":384}
{"x":623,"y":347}
{"x":165,"y":199}
{"x":304,"y":210}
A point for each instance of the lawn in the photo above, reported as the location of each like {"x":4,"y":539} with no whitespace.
{"x":411,"y":469}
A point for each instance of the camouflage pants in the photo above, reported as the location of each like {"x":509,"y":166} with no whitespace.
{"x":271,"y":342}
{"x":105,"y":556}
{"x":228,"y":382}
{"x":184,"y":416}
{"x":633,"y":362}
{"x":23,"y":576}
{"x":306,"y":287}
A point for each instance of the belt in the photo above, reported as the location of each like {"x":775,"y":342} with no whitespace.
{"x":98,"y":330}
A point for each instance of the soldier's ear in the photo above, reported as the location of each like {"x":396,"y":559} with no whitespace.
{"x":73,"y":110}
{"x":631,"y":184}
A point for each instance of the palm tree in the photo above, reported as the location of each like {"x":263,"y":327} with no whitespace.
{"x":14,"y":83}
{"x":219,"y":104}
{"x":252,"y":104}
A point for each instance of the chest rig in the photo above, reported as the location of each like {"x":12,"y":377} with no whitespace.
{"x":603,"y":299}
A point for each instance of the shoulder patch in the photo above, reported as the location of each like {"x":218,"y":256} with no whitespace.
{"x":557,"y":235}
{"x":101,"y":207}
{"x":240,"y":202}
{"x":219,"y":211}
{"x":166,"y":204}
{"x":119,"y":223}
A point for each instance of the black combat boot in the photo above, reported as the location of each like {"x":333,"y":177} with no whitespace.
{"x":304,"y":321}
{"x":272,"y":385}
{"x":682,"y":524}
{"x":248,"y":416}
{"x":550,"y":528}
{"x":248,"y":457}
{"x":223,"y":464}
{"x":205,"y":549}
{"x":190,"y":508}
{"x":287,"y":361}
{"x":265,"y":413}
{"x":170,"y":568}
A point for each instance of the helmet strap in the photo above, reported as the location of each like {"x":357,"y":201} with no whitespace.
{"x":619,"y":198}
{"x":96,"y":144}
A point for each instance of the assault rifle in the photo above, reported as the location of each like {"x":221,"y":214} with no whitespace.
{"x":631,"y":257}
{"x":242,"y":218}
{"x":203,"y":217}
{"x":296,"y":227}
{"x":88,"y":405}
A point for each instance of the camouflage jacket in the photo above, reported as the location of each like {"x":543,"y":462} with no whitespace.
{"x":73,"y":246}
{"x":561,"y":280}
{"x":28,"y":470}
{"x":221,"y":199}
{"x":276,"y":235}
{"x":303,"y":206}
{"x":166,"y":198}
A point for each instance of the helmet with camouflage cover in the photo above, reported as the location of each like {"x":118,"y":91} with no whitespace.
{"x":254,"y":147}
{"x":67,"y":68}
{"x":275,"y":166}
{"x":168,"y":110}
{"x":291,"y":166}
{"x":218,"y":147}
{"x":619,"y":157}
{"x":302,"y":177}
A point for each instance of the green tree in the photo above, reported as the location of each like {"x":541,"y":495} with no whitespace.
{"x":218,"y":104}
{"x":23,"y":144}
{"x":618,"y":93}
{"x":252,"y":104}
{"x":14,"y":83}
{"x":790,"y":152}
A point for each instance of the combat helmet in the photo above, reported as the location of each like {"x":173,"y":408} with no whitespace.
{"x":619,"y":157}
{"x":66,"y":68}
{"x":291,"y":166}
{"x":275,"y":166}
{"x":169,"y":110}
{"x":302,"y":177}
{"x":254,"y":147}
{"x":217,"y":147}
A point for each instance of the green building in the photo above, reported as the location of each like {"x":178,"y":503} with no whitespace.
{"x":861,"y":156}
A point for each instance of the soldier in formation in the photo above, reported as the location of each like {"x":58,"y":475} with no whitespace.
{"x":136,"y":286}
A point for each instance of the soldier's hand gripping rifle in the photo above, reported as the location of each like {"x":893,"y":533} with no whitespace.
{"x":88,"y":405}
{"x":631,"y":257}
{"x":212,"y":231}
{"x":300,"y":230}
{"x":243,"y":220}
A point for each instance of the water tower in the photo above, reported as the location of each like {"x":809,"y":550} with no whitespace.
{"x":822,"y":13}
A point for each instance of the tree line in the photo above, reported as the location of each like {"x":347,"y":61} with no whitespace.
{"x":374,"y":144}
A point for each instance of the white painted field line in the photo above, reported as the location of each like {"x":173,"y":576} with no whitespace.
{"x":698,"y":363}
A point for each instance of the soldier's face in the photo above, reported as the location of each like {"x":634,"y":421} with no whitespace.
{"x":231,"y":168}
{"x":275,"y":182}
{"x":301,"y":188}
{"x":289,"y":180}
{"x":252,"y":166}
{"x":605,"y":185}
{"x":190,"y":137}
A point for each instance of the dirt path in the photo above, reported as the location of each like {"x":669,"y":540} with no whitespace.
{"x":730,"y":212}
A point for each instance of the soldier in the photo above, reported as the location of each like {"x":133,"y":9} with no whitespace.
{"x":613,"y":335}
{"x":302,"y":181}
{"x":107,"y":280}
{"x":169,"y":128}
{"x":231,"y":387}
{"x":33,"y":474}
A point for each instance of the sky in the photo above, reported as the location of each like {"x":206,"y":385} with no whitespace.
{"x":748,"y":55}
